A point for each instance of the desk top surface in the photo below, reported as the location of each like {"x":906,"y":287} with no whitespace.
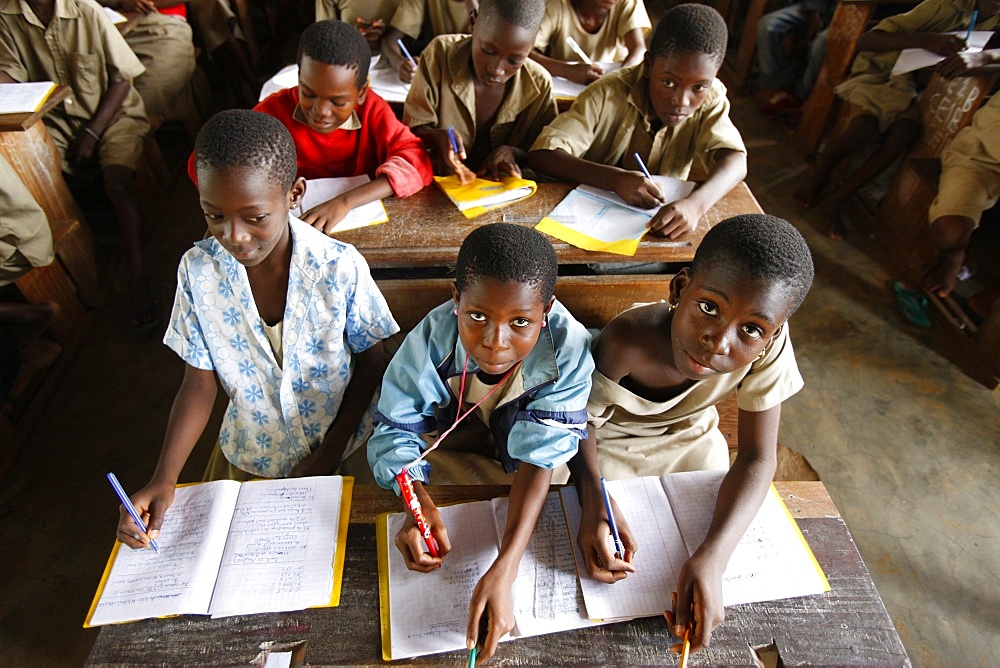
{"x":426,"y":229}
{"x":846,"y":626}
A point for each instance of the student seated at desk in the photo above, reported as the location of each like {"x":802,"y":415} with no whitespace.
{"x":883,"y":106}
{"x":511,"y":355}
{"x":288,"y":319}
{"x":660,"y":370}
{"x":369,"y":16}
{"x":343,"y":128}
{"x":99,"y":130}
{"x":417,"y":22}
{"x":615,"y":34}
{"x":485,"y":87}
{"x":670,"y":109}
{"x":969,"y":185}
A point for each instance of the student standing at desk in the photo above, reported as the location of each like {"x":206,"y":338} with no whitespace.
{"x":660,"y":370}
{"x":670,"y":109}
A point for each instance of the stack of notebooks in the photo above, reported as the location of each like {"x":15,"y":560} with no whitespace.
{"x":669,"y":517}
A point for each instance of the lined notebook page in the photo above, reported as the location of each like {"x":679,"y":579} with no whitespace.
{"x":547,"y":594}
{"x":281,"y":546}
{"x":770,"y":562}
{"x":429,"y":611}
{"x":180,"y":579}
{"x":661,"y":552}
{"x":320,"y":191}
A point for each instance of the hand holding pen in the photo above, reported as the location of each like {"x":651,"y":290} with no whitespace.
{"x":136,"y":517}
{"x":408,"y":66}
{"x":454,"y":152}
{"x":423,"y":538}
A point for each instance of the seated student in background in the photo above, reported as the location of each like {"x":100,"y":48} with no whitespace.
{"x":670,"y":109}
{"x":417,"y":22}
{"x":99,"y":130}
{"x":161,"y":38}
{"x":343,"y":128}
{"x":288,"y":320}
{"x":883,"y":106}
{"x":486,"y":88}
{"x":608,"y":32}
{"x":370,"y":17}
{"x":969,"y":185}
{"x":776,"y":70}
{"x":525,"y":366}
{"x":660,"y":370}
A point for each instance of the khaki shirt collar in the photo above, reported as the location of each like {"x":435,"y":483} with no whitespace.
{"x":64,"y":9}
{"x":522,"y":88}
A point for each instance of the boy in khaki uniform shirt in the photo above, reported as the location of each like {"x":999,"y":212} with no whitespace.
{"x":370,"y":16}
{"x":670,"y":109}
{"x":482,"y":81}
{"x":73,"y":42}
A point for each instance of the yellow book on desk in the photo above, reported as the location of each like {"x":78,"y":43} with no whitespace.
{"x":24,"y":98}
{"x":481,"y":195}
{"x":229,"y":548}
{"x":426,"y":613}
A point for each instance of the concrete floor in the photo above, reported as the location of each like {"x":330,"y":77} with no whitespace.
{"x":907,"y":445}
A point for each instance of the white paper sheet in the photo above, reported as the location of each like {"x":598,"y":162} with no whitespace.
{"x":22,"y":98}
{"x":564,"y":89}
{"x":915,"y":59}
{"x":319,"y":191}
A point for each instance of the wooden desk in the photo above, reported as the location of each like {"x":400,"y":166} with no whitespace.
{"x":426,"y":230}
{"x":846,"y":626}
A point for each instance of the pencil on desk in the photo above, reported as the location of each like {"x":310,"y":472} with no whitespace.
{"x":571,"y":43}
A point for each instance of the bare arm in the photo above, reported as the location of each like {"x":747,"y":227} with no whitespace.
{"x":879,"y":40}
{"x":635,"y":42}
{"x":681,"y":217}
{"x":580,"y":73}
{"x":632,"y":187}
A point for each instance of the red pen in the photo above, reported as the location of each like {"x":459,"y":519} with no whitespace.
{"x":413,"y":503}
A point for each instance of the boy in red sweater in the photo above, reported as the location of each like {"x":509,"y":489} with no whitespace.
{"x":343,"y":128}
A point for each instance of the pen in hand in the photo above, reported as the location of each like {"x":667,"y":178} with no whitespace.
{"x":972,"y":24}
{"x":406,"y":52}
{"x":619,"y":545}
{"x":130,"y":508}
{"x":413,"y":503}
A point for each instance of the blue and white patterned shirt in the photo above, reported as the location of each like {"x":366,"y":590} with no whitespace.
{"x":278,"y":415}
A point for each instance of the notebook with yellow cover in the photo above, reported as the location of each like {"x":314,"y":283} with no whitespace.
{"x":478,"y":197}
{"x":229,"y":548}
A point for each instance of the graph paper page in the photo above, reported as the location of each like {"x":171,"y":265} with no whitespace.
{"x":659,"y":559}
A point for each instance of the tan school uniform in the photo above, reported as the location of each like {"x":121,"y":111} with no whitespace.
{"x":82,"y":49}
{"x":443,"y":94}
{"x":416,"y":18}
{"x":872,"y":89}
{"x":25,"y":236}
{"x":214,"y":21}
{"x":607,"y":45}
{"x":638,"y":437}
{"x":349,"y":11}
{"x":970,"y":168}
{"x":611,"y":120}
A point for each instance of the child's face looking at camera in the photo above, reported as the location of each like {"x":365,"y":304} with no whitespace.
{"x":679,"y":83}
{"x":723,"y":319}
{"x":328,"y":94}
{"x":246,"y":211}
{"x":499,"y":49}
{"x":499,"y":322}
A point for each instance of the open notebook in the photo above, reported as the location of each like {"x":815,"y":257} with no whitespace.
{"x":319,"y":191}
{"x":595,"y":219}
{"x":476,"y":198}
{"x":24,"y":98}
{"x":230,"y":548}
{"x":552,"y":591}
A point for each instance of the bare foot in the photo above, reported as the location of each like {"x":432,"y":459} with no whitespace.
{"x":835,"y":228}
{"x":35,"y":357}
{"x":941,"y":278}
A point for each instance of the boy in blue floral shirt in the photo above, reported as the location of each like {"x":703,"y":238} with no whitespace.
{"x":289,"y":320}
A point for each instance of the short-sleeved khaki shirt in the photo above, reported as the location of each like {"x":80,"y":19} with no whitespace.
{"x":82,"y":49}
{"x":607,"y":45}
{"x":442,"y":17}
{"x":443,"y":94}
{"x":25,"y":236}
{"x":612,"y":119}
{"x":349,"y":11}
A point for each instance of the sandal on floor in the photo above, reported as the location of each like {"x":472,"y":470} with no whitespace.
{"x":912,"y":304}
{"x":146,"y":320}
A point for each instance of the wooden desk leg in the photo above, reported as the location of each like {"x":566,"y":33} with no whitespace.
{"x":846,"y":27}
{"x":35,"y":158}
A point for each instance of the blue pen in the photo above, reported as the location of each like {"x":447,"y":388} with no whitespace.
{"x":972,"y":24}
{"x":642,"y":166}
{"x":130,"y":508}
{"x":454,"y":140}
{"x":402,"y":47}
{"x":619,"y":546}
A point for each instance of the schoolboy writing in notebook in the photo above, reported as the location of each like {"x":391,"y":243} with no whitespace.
{"x":415,"y":23}
{"x":670,"y":109}
{"x":99,"y":130}
{"x":606,"y":31}
{"x":524,"y":363}
{"x":660,"y":370}
{"x":288,"y":320}
{"x":486,"y":89}
{"x":881,"y":106}
{"x":369,"y":17}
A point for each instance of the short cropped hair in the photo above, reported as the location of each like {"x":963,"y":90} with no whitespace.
{"x":695,"y":28}
{"x":242,"y":138}
{"x":761,"y":247}
{"x":525,"y":13}
{"x":336,"y":43}
{"x":508,"y":253}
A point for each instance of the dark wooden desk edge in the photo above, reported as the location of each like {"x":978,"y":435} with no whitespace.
{"x":804,"y":499}
{"x":21,"y":122}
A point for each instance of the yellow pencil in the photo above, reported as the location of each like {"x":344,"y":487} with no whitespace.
{"x":687,"y":647}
